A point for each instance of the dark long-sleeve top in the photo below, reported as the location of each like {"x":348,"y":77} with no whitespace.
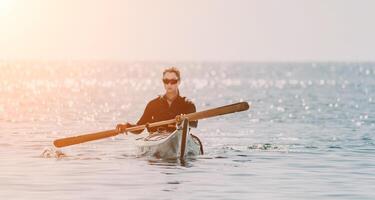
{"x":158,"y":109}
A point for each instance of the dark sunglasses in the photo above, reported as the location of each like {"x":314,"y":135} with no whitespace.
{"x":171,"y":81}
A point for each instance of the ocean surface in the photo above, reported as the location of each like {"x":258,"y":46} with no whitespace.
{"x":310,"y":132}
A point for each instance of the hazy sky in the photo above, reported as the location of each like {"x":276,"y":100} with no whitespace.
{"x":191,"y":30}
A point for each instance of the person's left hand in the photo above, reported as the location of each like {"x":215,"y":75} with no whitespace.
{"x":180,"y":118}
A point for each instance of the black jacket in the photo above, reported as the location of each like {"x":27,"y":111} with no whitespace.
{"x":158,"y":110}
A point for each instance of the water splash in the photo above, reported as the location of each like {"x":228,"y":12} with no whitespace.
{"x":51,"y":152}
{"x":269,"y":147}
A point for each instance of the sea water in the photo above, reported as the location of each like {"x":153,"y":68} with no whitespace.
{"x":308,"y":135}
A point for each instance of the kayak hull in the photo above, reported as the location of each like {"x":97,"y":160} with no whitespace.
{"x":178,"y":144}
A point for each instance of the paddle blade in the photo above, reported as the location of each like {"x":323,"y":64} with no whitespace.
{"x":63,"y":142}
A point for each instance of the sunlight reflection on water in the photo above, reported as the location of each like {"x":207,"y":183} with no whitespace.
{"x":308,"y":135}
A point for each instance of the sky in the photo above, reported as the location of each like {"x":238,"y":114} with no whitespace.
{"x":191,"y":30}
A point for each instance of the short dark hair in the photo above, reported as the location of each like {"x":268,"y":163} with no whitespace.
{"x":173,"y":70}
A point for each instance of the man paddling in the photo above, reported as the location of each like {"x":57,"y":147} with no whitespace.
{"x":165,"y":107}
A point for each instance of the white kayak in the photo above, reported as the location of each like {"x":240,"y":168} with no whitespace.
{"x":176,"y":145}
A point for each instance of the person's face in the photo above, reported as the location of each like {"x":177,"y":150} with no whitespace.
{"x":170,"y":82}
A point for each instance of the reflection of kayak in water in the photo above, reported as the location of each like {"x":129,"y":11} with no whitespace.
{"x":178,"y":144}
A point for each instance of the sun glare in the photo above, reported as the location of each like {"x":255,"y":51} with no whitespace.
{"x":5,"y":7}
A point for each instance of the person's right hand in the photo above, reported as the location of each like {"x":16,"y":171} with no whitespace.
{"x":121,"y":128}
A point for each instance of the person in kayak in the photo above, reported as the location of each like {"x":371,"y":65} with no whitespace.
{"x":164,"y":107}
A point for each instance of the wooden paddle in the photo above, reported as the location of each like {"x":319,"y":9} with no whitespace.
{"x":237,"y":107}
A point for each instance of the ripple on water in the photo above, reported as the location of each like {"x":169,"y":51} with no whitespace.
{"x":5,"y":145}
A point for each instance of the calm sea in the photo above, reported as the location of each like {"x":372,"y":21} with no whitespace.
{"x":310,"y":133}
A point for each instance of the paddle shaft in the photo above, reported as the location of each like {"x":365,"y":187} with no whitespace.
{"x":237,"y":107}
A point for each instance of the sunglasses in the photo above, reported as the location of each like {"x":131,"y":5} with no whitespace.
{"x":171,"y":81}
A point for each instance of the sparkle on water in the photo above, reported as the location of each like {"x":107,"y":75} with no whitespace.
{"x":308,"y":135}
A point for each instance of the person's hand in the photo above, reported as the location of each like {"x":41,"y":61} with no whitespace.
{"x":121,"y":128}
{"x":180,"y":118}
